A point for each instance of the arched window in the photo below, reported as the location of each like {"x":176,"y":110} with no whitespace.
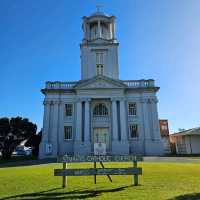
{"x":100,"y":110}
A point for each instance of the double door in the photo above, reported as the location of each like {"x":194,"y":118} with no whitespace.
{"x":100,"y":135}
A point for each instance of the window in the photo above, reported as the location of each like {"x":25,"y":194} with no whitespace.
{"x":99,"y":69}
{"x":132,"y":109}
{"x":68,"y":110}
{"x":164,"y":127}
{"x":133,"y":130}
{"x":100,"y":110}
{"x":68,"y":132}
{"x":99,"y":63}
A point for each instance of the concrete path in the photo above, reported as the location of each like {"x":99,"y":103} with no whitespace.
{"x":173,"y":159}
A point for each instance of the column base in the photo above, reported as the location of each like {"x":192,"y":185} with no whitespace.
{"x":82,"y":148}
{"x":120,"y":148}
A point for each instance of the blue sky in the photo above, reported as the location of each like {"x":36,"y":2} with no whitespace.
{"x":39,"y":41}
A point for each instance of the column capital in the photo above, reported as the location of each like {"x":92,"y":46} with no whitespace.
{"x":151,"y":100}
{"x":87,"y":99}
{"x":146,"y":100}
{"x":122,"y":99}
{"x":46,"y":102}
{"x":118,"y":98}
{"x":79,"y":100}
{"x":114,"y":99}
{"x":154,"y":100}
{"x":56,"y":102}
{"x":83,"y":99}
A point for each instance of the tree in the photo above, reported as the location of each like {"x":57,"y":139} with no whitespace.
{"x":181,"y":129}
{"x":34,"y":142}
{"x":12,"y":132}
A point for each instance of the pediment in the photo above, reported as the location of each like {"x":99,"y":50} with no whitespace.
{"x":100,"y":82}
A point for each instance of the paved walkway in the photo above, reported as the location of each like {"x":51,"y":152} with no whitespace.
{"x":173,"y":159}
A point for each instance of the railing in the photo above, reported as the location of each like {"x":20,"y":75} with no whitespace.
{"x":101,"y":118}
{"x":60,"y":85}
{"x":139,"y":83}
{"x":129,"y":83}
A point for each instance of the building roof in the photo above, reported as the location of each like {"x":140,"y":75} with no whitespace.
{"x":193,"y":131}
{"x":99,"y":13}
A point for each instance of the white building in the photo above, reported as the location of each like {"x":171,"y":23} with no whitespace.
{"x":100,"y":107}
{"x":187,"y":141}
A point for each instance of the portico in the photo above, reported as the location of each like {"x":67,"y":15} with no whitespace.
{"x":99,"y":120}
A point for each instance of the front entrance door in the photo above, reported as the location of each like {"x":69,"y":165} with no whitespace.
{"x":100,"y":135}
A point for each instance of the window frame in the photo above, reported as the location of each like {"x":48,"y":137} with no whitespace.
{"x":65,"y":133}
{"x":97,"y":110}
{"x":99,"y":63}
{"x":137,"y":131}
{"x":133,"y":110}
{"x":72,"y":109}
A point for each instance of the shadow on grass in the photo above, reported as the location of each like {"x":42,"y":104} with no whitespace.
{"x":52,"y":194}
{"x":24,"y":161}
{"x":193,"y":196}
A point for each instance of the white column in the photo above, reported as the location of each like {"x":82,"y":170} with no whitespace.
{"x":88,"y":31}
{"x":61,"y":127}
{"x":155,"y":120}
{"x":99,"y":29}
{"x":87,"y":120}
{"x":146,"y":119}
{"x":46,"y":121}
{"x":114,"y":120}
{"x":139,"y":110}
{"x":78,"y":120}
{"x":113,"y":30}
{"x":54,"y":133}
{"x":110,"y":31}
{"x":123,"y":123}
{"x":85,"y":30}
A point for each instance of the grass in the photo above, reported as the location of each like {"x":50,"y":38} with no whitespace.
{"x":160,"y":181}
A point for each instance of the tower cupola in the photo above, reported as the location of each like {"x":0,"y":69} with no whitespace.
{"x":99,"y":47}
{"x":99,"y":26}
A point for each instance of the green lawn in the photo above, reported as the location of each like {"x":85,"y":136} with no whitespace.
{"x":178,"y":181}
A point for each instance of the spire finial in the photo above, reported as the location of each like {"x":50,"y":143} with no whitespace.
{"x":99,"y":6}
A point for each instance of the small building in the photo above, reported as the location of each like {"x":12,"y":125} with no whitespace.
{"x":187,"y":141}
{"x":164,"y":132}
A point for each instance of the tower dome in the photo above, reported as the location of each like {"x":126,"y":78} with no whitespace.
{"x":99,"y":13}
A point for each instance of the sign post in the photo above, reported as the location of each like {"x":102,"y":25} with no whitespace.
{"x":64,"y":178}
{"x":64,"y":172}
{"x":135,"y":178}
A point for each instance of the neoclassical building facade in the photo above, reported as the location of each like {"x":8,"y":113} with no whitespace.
{"x":100,"y":108}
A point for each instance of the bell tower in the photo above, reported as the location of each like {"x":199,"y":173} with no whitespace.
{"x":99,"y":47}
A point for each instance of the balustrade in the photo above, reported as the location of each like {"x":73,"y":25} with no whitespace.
{"x":129,"y":83}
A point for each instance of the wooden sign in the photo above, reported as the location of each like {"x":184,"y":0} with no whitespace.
{"x":64,"y":172}
{"x":97,"y":171}
{"x":100,"y":158}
